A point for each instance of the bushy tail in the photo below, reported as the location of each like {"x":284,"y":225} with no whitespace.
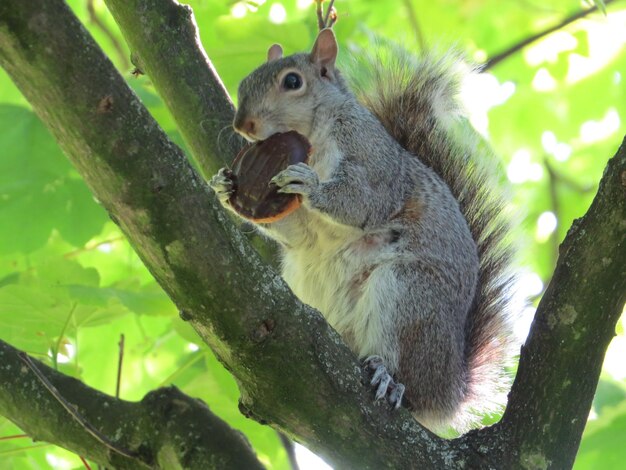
{"x":416,"y":100}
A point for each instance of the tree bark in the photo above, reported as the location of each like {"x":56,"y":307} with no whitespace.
{"x":574,"y":324}
{"x":167,"y":429}
{"x":244,"y":311}
{"x":165,"y":45}
{"x":561,"y":361}
{"x":168,"y":49}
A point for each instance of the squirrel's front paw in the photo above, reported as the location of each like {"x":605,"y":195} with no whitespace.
{"x":297,"y":179}
{"x":383,"y":381}
{"x":223,"y":185}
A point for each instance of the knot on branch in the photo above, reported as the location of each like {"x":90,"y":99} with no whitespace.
{"x":105,"y":105}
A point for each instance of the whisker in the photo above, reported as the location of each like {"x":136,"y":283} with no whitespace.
{"x":232,"y":135}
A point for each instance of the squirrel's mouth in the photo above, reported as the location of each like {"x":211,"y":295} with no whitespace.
{"x":260,"y":134}
{"x":251,"y":133}
{"x":249,"y":138}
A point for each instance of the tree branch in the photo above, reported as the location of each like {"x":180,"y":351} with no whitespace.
{"x":417,"y":29}
{"x":561,"y":361}
{"x":165,"y":45}
{"x":575,"y":322}
{"x":496,"y":59}
{"x":167,"y":429}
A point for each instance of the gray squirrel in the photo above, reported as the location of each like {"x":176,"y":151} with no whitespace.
{"x":400,"y":241}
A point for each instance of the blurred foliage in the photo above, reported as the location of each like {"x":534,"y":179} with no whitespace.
{"x":70,"y":284}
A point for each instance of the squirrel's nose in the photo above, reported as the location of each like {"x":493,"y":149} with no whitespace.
{"x":245,"y":125}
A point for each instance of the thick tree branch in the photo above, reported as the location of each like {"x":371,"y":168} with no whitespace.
{"x":165,"y":45}
{"x":561,"y":361}
{"x":574,"y":324}
{"x":167,"y":429}
{"x":241,"y":308}
{"x":167,"y":48}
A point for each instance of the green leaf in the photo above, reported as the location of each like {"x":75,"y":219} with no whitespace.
{"x":147,"y":300}
{"x":602,"y":446}
{"x":39,"y":191}
{"x":30,"y":317}
{"x":609,"y":393}
{"x":45,"y":304}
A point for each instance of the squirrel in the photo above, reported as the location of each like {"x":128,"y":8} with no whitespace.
{"x":400,"y":241}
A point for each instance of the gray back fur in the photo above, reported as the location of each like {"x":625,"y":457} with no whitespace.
{"x":416,"y":101}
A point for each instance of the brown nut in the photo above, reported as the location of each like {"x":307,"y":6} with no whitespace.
{"x":254,"y":197}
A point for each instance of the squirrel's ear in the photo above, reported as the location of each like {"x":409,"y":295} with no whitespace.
{"x":275,"y":52}
{"x":324,"y":50}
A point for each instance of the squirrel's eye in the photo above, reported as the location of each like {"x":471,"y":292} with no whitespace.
{"x":292,"y":81}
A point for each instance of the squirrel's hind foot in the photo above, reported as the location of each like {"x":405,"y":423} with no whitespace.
{"x":383,"y":381}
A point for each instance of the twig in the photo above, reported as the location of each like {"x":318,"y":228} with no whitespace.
{"x":496,"y":59}
{"x":329,"y":12}
{"x":174,"y":375}
{"x":528,"y":4}
{"x":20,"y":450}
{"x":57,"y":347}
{"x":320,"y":14}
{"x":328,"y":20}
{"x":556,"y":209}
{"x":120,"y":359}
{"x":290,"y":449}
{"x":85,"y":463}
{"x":95,"y":19}
{"x":412,"y":15}
{"x":572,"y":184}
{"x":14,"y":436}
{"x":71,"y":409}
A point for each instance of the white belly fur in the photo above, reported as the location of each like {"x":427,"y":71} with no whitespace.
{"x":347,"y":276}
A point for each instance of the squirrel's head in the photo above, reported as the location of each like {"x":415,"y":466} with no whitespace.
{"x":286,"y":93}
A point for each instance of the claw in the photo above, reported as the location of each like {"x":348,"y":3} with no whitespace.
{"x":383,"y":382}
{"x":222,"y":184}
{"x":296,"y":179}
{"x":383,"y":386}
{"x":395,"y":397}
{"x":225,"y":172}
{"x":292,"y":189}
{"x":379,"y":373}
